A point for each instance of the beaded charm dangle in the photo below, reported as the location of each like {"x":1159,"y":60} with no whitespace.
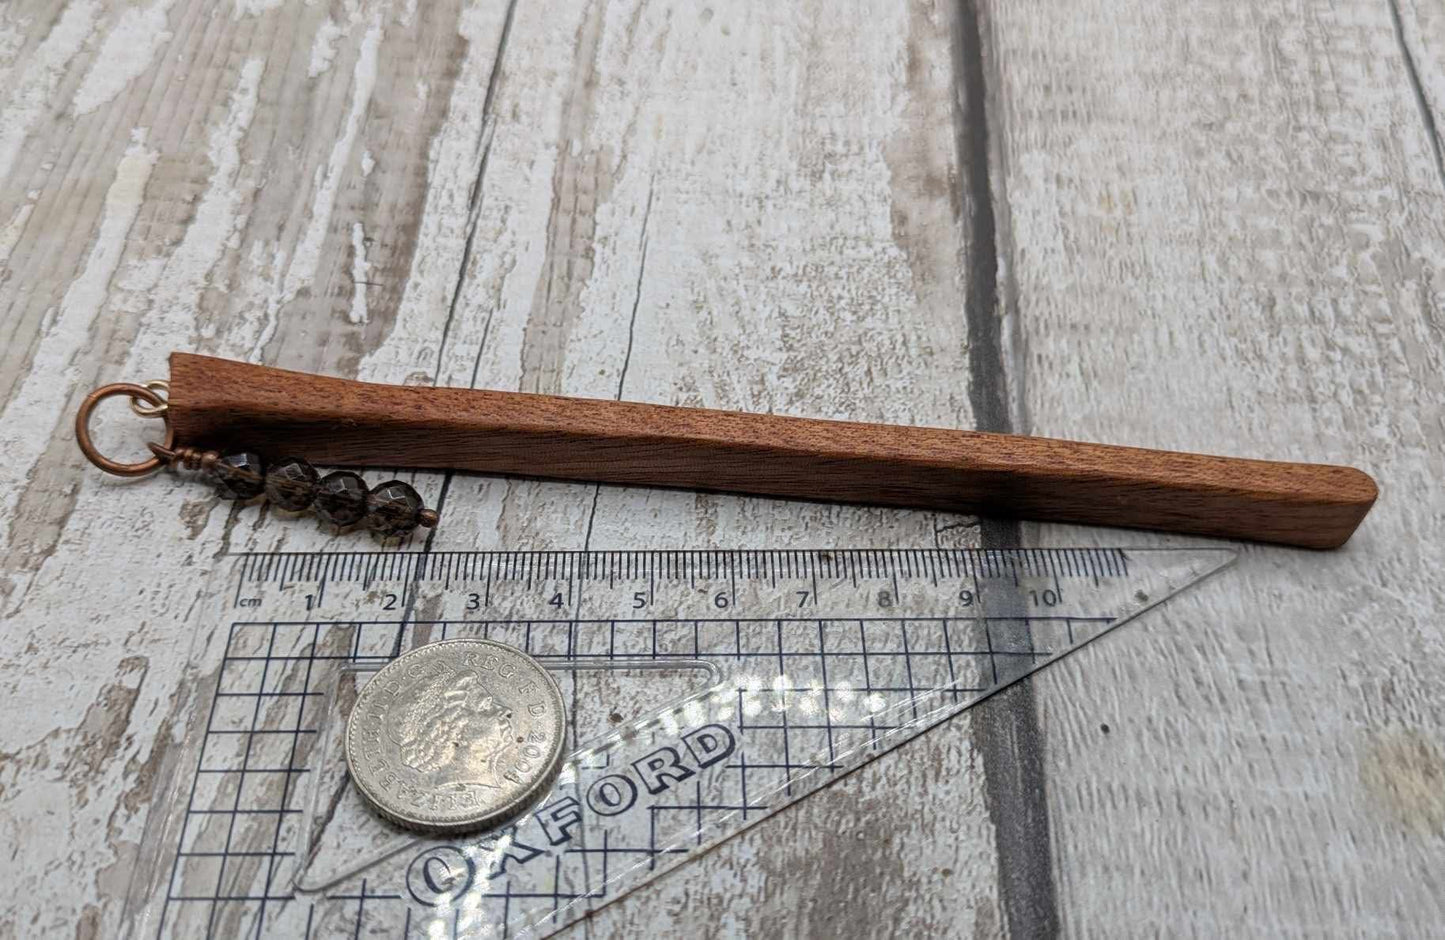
{"x":389,"y":509}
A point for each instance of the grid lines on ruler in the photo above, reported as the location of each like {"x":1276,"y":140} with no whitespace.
{"x":234,"y":864}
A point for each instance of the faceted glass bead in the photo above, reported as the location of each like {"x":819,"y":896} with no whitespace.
{"x":291,"y":484}
{"x":393,"y":508}
{"x":341,"y":498}
{"x":239,"y":476}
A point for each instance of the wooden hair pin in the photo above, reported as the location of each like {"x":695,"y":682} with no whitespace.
{"x":257,"y":410}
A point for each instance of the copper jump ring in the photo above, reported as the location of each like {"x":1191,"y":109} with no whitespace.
{"x":137,"y":394}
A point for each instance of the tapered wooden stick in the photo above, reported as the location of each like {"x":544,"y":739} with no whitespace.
{"x":219,"y":403}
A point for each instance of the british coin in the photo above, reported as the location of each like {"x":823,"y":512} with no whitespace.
{"x":456,"y":736}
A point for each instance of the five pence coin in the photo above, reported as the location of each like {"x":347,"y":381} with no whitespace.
{"x":457,"y":736}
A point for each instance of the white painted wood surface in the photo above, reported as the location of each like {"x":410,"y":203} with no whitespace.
{"x":1252,"y":261}
{"x":1213,"y":227}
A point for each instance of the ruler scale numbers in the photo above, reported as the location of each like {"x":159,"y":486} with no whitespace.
{"x":706,"y":690}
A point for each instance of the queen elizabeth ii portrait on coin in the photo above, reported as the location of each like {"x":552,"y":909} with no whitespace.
{"x":452,"y":729}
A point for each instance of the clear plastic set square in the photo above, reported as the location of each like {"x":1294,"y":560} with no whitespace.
{"x":705,"y":691}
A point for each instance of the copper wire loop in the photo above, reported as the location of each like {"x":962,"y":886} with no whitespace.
{"x":152,"y":411}
{"x":190,"y":458}
{"x":135,"y":393}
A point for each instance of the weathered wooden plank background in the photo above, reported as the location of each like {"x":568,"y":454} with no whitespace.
{"x":1213,"y":226}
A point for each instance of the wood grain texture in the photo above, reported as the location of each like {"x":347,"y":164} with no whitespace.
{"x":835,"y":179}
{"x":220,"y":403}
{"x":174,"y":212}
{"x":1213,"y":223}
{"x":759,"y":242}
{"x":1241,"y":204}
{"x":1420,"y":33}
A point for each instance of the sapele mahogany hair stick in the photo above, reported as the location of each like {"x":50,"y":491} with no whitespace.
{"x":340,"y":422}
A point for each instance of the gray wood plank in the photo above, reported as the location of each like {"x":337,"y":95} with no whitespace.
{"x":193,"y":235}
{"x":1420,"y":33}
{"x":212,"y":191}
{"x":704,"y":208}
{"x":1226,"y":228}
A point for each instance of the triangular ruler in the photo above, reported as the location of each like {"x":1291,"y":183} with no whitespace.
{"x":707,"y":691}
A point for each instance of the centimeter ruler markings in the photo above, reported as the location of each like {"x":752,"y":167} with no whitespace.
{"x":677,"y":583}
{"x":852,"y":565}
{"x":677,"y":565}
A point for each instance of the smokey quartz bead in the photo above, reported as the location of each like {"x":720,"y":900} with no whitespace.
{"x":239,"y":476}
{"x":393,"y":508}
{"x":291,"y":484}
{"x":341,"y":498}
